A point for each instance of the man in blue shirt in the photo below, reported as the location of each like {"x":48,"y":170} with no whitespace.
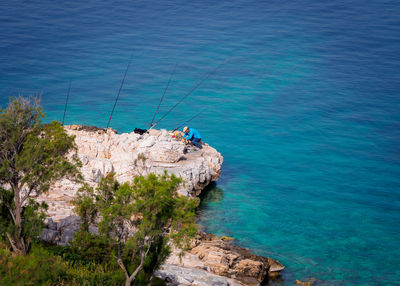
{"x":193,"y":135}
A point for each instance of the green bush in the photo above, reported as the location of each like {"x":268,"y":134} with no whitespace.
{"x":91,"y":248}
{"x":43,"y":267}
{"x":39,"y":267}
{"x":93,"y":274}
{"x":87,"y":262}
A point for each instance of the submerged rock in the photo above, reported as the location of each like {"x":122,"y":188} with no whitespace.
{"x":306,"y":283}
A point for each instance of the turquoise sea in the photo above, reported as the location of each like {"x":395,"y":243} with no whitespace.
{"x":306,"y":111}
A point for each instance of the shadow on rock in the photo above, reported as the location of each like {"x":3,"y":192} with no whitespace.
{"x":211,"y":194}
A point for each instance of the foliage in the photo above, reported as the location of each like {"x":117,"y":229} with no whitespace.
{"x":47,"y":265}
{"x":39,"y":267}
{"x":32,"y":156}
{"x":78,"y":275}
{"x":140,"y":218}
{"x":159,"y":252}
{"x":91,"y":248}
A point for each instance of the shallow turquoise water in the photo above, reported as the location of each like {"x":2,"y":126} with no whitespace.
{"x":305,"y":112}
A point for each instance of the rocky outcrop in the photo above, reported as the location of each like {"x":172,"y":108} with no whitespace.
{"x":61,"y":232}
{"x":222,"y":258}
{"x":211,"y":261}
{"x":176,"y":275}
{"x":129,"y":155}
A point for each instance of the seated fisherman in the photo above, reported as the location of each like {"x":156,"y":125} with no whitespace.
{"x":192,"y":135}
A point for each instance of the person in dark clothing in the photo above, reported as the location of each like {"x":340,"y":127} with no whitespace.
{"x":193,"y":136}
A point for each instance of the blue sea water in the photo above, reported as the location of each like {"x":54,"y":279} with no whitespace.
{"x":305,"y":111}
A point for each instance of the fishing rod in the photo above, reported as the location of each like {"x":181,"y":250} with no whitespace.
{"x":66,"y":102}
{"x":188,"y":121}
{"x":189,"y":93}
{"x":120,"y":88}
{"x":162,"y":97}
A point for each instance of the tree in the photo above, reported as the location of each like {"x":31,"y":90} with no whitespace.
{"x":32,"y":156}
{"x":141,"y":218}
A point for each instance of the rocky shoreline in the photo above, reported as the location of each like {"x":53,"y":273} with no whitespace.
{"x":211,"y":261}
{"x":220,"y":257}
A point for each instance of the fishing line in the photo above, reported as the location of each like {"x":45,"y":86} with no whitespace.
{"x":120,"y":88}
{"x":162,"y":97}
{"x":190,"y":92}
{"x":187,"y":121}
{"x":66,"y":102}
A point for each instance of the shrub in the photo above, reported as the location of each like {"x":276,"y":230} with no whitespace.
{"x":39,"y":267}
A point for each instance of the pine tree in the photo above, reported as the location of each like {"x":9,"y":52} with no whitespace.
{"x":142,"y":218}
{"x":32,"y":156}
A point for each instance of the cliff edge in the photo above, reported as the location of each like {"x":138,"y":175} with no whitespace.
{"x":211,"y":261}
{"x":128,"y":155}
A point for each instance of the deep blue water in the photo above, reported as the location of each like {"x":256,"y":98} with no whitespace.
{"x":305,"y":112}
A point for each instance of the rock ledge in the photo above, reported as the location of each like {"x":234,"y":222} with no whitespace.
{"x":129,"y":155}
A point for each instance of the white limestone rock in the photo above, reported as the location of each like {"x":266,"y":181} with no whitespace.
{"x":128,"y":155}
{"x":177,"y":275}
